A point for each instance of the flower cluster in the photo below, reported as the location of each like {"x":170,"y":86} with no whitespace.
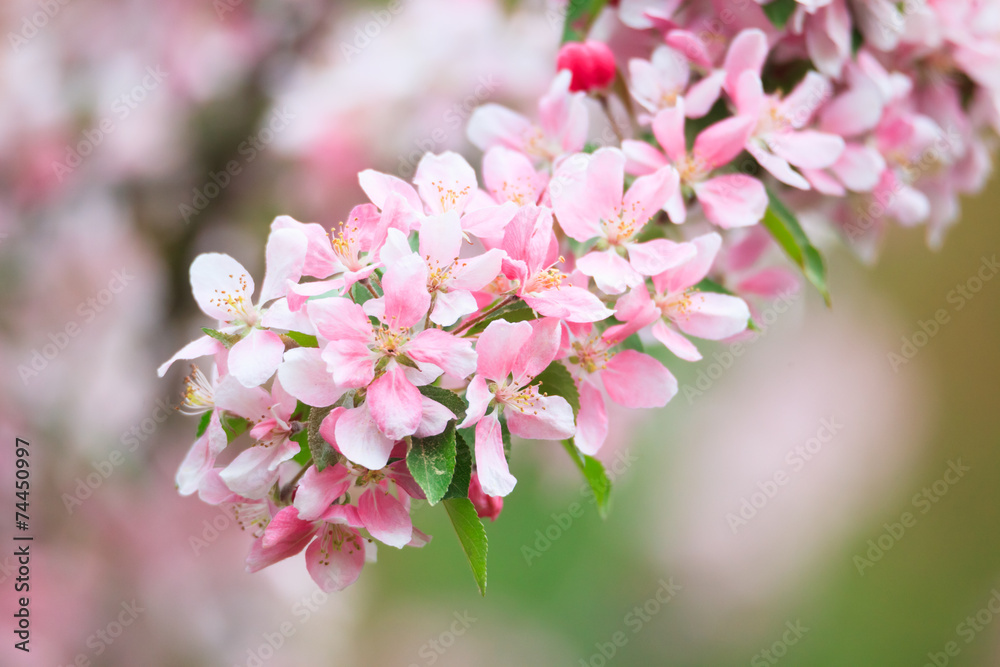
{"x":392,"y":358}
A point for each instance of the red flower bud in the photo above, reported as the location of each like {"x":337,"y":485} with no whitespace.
{"x":486,"y":506}
{"x":591,"y":62}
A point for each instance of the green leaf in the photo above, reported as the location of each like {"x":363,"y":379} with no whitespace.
{"x":709,"y":285}
{"x":360,"y":293}
{"x":787,"y":231}
{"x":557,"y":381}
{"x":459,"y":487}
{"x":226,"y":339}
{"x":431,"y":461}
{"x":593,"y":471}
{"x":304,"y":455}
{"x":234,"y":426}
{"x":633,"y":342}
{"x":580,"y":15}
{"x":471,"y":535}
{"x":779,"y":12}
{"x":323,"y":453}
{"x":203,"y":424}
{"x":304,"y":340}
{"x":518,"y":311}
{"x":447,"y":398}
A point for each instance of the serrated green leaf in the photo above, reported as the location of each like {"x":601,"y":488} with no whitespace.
{"x":431,"y":462}
{"x":595,"y":475}
{"x":471,"y":535}
{"x":447,"y":398}
{"x":203,"y":424}
{"x":459,"y":487}
{"x":786,"y":230}
{"x":779,"y":11}
{"x":304,"y":340}
{"x":518,"y":311}
{"x":557,"y":381}
{"x":226,"y":339}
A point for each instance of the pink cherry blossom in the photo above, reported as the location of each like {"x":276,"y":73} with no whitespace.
{"x":588,"y":201}
{"x":728,"y":200}
{"x":223,"y":290}
{"x":510,"y":356}
{"x":532,"y":252}
{"x":562,"y":125}
{"x":676,"y":307}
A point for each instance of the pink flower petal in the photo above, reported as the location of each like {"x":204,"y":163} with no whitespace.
{"x":385,"y":518}
{"x":359,"y":439}
{"x":637,"y":380}
{"x":479,"y":396}
{"x":201,"y":457}
{"x":336,"y":318}
{"x":612,"y":272}
{"x":573,"y":304}
{"x":394,"y":404}
{"x":808,"y":149}
{"x":317,"y":490}
{"x":693,"y":271}
{"x":719,"y":143}
{"x":732,"y":200}
{"x":454,"y":355}
{"x":592,"y":422}
{"x":656,"y":256}
{"x":547,"y":418}
{"x":491,"y":465}
{"x":254,"y":359}
{"x":715,"y":316}
{"x":445,"y":182}
{"x":541,"y":348}
{"x":199,"y":347}
{"x":285,"y":256}
{"x":406,"y":296}
{"x":221,"y":286}
{"x":498,"y":347}
{"x":303,"y":374}
{"x":335,"y":558}
{"x":675,"y":342}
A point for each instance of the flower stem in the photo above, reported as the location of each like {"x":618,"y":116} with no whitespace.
{"x":507,"y":301}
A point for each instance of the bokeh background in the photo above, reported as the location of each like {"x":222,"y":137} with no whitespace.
{"x":144,"y":104}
